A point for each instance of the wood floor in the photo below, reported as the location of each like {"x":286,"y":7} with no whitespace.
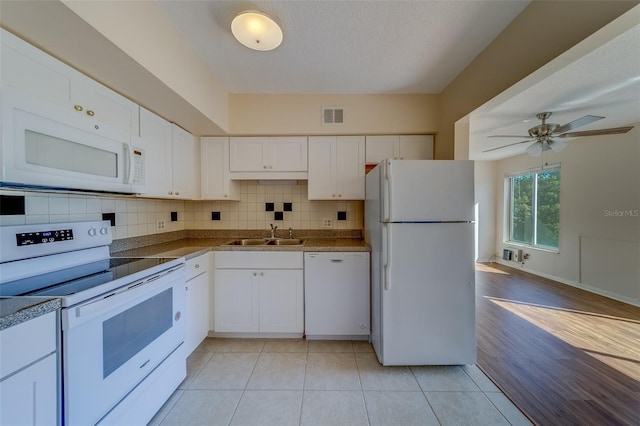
{"x":563,"y":355}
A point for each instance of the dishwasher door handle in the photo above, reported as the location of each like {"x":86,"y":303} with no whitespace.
{"x":336,"y":260}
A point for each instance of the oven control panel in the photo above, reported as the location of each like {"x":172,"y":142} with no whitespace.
{"x":30,"y":241}
{"x":44,"y":237}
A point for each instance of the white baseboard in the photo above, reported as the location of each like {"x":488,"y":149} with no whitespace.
{"x":571,"y":283}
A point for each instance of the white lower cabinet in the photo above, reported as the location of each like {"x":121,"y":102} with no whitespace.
{"x":259,"y":292}
{"x":281,"y":300}
{"x":196,"y":302}
{"x":29,"y":373}
{"x":236,"y":301}
{"x":30,"y":396}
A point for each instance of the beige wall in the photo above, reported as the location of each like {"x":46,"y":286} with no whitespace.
{"x":599,"y":215}
{"x":302,"y":114}
{"x":541,"y":32}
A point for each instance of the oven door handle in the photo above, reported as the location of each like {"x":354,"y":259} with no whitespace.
{"x":125,"y":295}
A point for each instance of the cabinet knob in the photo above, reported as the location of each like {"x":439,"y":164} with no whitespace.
{"x":90,"y":113}
{"x":78,"y":107}
{"x":339,"y":195}
{"x":186,"y":288}
{"x":177,"y":193}
{"x":226,"y":195}
{"x":197,"y":265}
{"x":262,"y":274}
{"x":170,"y":192}
{"x":264,"y":167}
{"x":255,"y":274}
{"x":333,"y":195}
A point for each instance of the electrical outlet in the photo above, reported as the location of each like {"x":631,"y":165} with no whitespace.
{"x":327,"y":223}
{"x":160,"y":225}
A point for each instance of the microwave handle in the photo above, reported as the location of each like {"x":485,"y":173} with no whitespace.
{"x":128,"y":158}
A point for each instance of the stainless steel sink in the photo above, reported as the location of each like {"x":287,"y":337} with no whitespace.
{"x":247,"y":242}
{"x":286,"y":242}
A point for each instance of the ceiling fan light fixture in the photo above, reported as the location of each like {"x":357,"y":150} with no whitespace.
{"x":256,"y":30}
{"x":558,"y":145}
{"x":535,"y":149}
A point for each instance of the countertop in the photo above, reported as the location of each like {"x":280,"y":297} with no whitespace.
{"x":193,"y":247}
{"x":15,"y":310}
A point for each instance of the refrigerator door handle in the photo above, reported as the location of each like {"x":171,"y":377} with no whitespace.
{"x":386,"y":247}
{"x":387,"y":192}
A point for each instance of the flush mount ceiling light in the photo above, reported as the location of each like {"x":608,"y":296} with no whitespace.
{"x":256,"y":30}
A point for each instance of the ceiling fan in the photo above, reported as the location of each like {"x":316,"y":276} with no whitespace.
{"x":543,"y":134}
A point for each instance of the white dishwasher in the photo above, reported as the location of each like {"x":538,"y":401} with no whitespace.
{"x":336,"y":295}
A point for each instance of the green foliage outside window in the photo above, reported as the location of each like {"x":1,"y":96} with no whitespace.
{"x":535,"y":208}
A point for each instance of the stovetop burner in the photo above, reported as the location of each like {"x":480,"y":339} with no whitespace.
{"x":73,"y":280}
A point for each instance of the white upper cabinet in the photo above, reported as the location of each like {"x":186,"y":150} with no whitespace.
{"x":31,"y":70}
{"x":416,"y":147}
{"x":155,"y":139}
{"x":336,"y":167}
{"x":401,"y":147}
{"x":173,"y":163}
{"x":283,"y":157}
{"x":382,"y":147}
{"x":104,"y":105}
{"x":186,"y":164}
{"x":216,"y":183}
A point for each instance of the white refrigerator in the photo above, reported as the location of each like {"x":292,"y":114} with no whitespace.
{"x":419,"y":221}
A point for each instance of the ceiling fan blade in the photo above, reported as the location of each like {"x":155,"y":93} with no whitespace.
{"x":509,"y":136}
{"x":577,"y":123}
{"x":596,"y":132}
{"x":504,"y":146}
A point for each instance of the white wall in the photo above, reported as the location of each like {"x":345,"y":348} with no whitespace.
{"x":599,"y":215}
{"x":486,"y":181}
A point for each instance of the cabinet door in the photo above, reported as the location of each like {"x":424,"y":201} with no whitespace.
{"x":105,"y":105}
{"x":246,"y":154}
{"x":380,"y":148}
{"x":33,"y":71}
{"x":196,"y":311}
{"x":155,"y":138}
{"x":322,"y":168}
{"x":186,"y":164}
{"x":350,"y":173}
{"x":281,"y":301}
{"x":416,"y":147}
{"x":287,"y":154}
{"x":30,"y":397}
{"x":236,"y":300}
{"x":215,"y":181}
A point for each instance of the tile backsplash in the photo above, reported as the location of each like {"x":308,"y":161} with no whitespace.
{"x":139,"y":216}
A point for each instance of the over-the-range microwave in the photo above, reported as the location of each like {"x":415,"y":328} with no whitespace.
{"x":47,"y":146}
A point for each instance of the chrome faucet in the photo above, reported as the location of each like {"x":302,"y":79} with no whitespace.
{"x":290,"y":233}
{"x":273,"y":231}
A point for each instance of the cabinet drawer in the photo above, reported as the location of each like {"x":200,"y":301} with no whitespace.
{"x":24,"y":343}
{"x":197,"y":266}
{"x":258,"y":260}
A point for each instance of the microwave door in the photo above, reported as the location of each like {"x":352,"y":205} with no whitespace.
{"x":55,"y":148}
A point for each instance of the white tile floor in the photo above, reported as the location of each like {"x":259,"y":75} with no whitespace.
{"x":295,"y":382}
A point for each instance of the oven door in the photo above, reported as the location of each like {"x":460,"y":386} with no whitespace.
{"x":112,"y":343}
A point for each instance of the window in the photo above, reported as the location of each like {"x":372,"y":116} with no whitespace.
{"x":534,"y":208}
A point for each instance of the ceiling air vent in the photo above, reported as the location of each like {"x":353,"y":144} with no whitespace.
{"x":332,"y":115}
